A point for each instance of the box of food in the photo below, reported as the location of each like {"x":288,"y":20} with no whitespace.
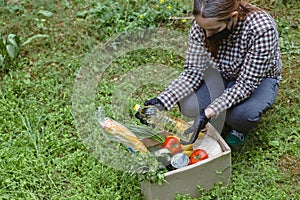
{"x":206,"y":173}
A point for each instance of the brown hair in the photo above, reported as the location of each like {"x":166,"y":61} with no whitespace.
{"x":221,"y":9}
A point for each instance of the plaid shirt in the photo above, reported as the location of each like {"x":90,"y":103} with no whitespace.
{"x":250,"y":54}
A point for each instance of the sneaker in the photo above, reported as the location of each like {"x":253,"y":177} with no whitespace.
{"x":236,"y":139}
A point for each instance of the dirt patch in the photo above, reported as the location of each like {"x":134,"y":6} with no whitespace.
{"x":291,"y":165}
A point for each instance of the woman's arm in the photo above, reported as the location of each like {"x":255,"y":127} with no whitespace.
{"x":258,"y":64}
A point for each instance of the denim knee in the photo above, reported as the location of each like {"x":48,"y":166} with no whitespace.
{"x":189,"y":106}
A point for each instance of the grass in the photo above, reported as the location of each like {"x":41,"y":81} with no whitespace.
{"x":42,"y":155}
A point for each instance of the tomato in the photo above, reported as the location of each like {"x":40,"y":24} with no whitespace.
{"x":173,"y":144}
{"x":198,"y":155}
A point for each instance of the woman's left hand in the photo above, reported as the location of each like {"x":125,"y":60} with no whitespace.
{"x":199,"y":124}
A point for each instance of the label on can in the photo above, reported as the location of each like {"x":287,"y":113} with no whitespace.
{"x":180,"y":160}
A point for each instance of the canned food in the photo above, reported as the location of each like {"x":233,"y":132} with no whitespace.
{"x":164,"y":156}
{"x":180,"y":160}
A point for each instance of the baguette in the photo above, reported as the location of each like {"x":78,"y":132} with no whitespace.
{"x":123,"y":135}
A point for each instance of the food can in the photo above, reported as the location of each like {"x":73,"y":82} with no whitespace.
{"x":180,"y":160}
{"x":164,"y":156}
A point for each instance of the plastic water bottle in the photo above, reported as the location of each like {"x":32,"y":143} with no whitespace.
{"x":163,"y":122}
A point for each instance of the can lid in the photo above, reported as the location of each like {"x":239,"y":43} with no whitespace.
{"x":136,"y":107}
{"x":180,"y":160}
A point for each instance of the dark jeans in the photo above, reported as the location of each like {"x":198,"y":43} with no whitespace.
{"x":241,"y":117}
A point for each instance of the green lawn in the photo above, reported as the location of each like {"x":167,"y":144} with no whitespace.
{"x":42,"y":155}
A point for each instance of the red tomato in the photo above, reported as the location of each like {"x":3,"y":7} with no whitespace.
{"x":173,"y":144}
{"x":198,"y":155}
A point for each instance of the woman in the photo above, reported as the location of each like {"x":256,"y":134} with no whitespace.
{"x":232,"y":68}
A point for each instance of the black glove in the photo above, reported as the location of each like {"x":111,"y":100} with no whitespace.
{"x":199,"y":124}
{"x":155,"y":102}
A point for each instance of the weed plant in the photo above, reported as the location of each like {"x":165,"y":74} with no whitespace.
{"x":42,"y":155}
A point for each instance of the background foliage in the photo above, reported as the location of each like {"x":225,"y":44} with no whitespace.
{"x":42,"y":45}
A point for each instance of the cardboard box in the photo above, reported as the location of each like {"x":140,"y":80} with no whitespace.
{"x":205,"y":173}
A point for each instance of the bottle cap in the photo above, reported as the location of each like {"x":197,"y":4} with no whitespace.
{"x":136,"y":107}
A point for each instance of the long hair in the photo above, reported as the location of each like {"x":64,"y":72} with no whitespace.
{"x":221,"y":9}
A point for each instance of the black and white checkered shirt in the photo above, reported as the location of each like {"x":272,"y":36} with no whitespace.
{"x":250,"y":54}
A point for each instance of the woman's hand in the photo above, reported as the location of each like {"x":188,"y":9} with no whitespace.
{"x":199,"y":124}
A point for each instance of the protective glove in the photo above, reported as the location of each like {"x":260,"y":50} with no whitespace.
{"x":199,"y":124}
{"x":155,"y":102}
